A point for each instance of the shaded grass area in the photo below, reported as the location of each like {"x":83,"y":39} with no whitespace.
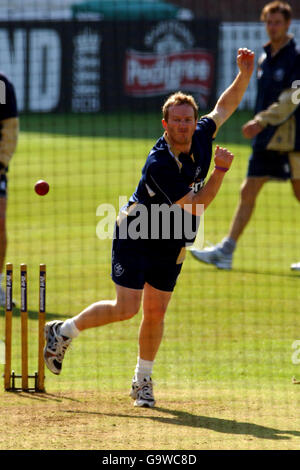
{"x":118,"y":125}
{"x":106,"y":421}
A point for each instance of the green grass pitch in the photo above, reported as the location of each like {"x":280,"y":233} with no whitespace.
{"x":224,"y":368}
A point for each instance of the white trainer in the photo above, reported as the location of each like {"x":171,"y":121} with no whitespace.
{"x":295,"y":266}
{"x":213,"y":255}
{"x":142,"y":392}
{"x":56,"y":346}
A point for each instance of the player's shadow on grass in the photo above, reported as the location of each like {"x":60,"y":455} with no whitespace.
{"x":226,"y":426}
{"x":32,"y":314}
{"x":265,"y":273}
{"x":258,"y":272}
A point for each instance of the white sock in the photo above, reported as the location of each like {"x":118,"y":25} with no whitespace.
{"x":143,"y":369}
{"x":69,"y":329}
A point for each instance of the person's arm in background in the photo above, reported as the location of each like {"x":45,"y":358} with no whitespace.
{"x":9,"y":130}
{"x":275,"y":115}
{"x":279,"y":111}
{"x":9,"y":123}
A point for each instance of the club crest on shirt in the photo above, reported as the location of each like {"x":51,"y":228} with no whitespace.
{"x":278,"y":75}
{"x":118,"y":270}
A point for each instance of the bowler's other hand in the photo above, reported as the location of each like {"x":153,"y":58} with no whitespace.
{"x":251,"y":129}
{"x":223,"y":158}
{"x":245,"y":61}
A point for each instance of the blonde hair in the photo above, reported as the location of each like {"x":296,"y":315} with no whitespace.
{"x":178,"y":99}
{"x":277,"y":7}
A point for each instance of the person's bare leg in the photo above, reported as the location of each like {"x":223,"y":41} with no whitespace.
{"x":296,"y":187}
{"x":3,"y":246}
{"x":249,"y":192}
{"x":125,"y":306}
{"x":221,"y":255}
{"x":60,"y":334}
{"x":3,"y":236}
{"x":150,"y":335}
{"x":155,"y":304}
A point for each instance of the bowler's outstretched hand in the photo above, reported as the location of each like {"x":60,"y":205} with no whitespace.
{"x":245,"y":61}
{"x":223,"y":158}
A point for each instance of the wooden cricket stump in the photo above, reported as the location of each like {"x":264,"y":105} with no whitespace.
{"x":10,"y":377}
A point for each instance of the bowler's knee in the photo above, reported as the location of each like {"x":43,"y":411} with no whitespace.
{"x":297,"y":195}
{"x":2,"y":225}
{"x":296,"y":190}
{"x":127,"y":310}
{"x":154,"y":314}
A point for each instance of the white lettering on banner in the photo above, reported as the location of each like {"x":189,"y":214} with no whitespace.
{"x":174,"y":29}
{"x":88,"y":75}
{"x":148,"y":74}
{"x":84,"y":90}
{"x":13,"y":51}
{"x":296,"y":353}
{"x":86,"y":72}
{"x":44,"y":69}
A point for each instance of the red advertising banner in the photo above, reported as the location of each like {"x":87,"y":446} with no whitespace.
{"x":148,"y":74}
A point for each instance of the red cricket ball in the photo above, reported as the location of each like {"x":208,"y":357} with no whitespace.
{"x":41,"y":187}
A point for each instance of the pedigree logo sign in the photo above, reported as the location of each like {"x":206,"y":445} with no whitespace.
{"x":175,"y":63}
